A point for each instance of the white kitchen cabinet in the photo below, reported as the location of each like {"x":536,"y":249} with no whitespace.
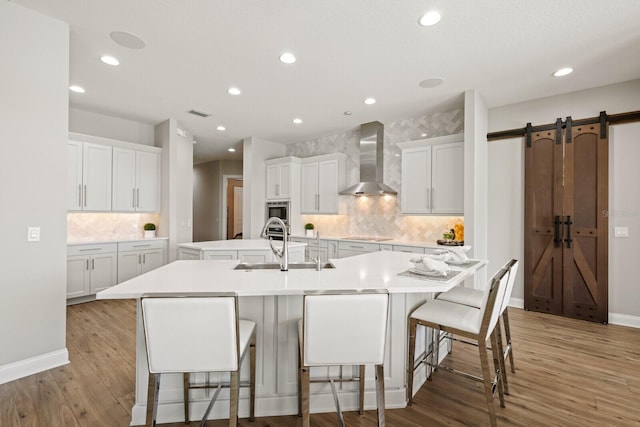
{"x":433,"y":176}
{"x":411,"y":249}
{"x":255,"y":256}
{"x":347,"y":248}
{"x":318,"y":249}
{"x":138,"y":257}
{"x":136,"y":180}
{"x":283,"y":177}
{"x":91,"y":268}
{"x":322,"y":178}
{"x":88,"y":176}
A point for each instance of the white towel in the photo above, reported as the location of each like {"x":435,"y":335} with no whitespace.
{"x":429,"y":264}
{"x":459,"y":253}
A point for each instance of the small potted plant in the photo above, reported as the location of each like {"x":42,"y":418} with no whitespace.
{"x":149,"y":230}
{"x":308,"y":227}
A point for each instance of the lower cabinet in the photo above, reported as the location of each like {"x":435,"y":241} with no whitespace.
{"x":347,"y":248}
{"x":135,"y":258}
{"x":91,"y":268}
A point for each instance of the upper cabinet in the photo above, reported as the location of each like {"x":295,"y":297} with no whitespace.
{"x":110,"y":175}
{"x":89,"y":176}
{"x":433,"y":176}
{"x":322,"y":178}
{"x":283,"y":176}
{"x":136,"y":177}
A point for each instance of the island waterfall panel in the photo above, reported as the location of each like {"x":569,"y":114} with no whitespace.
{"x":566,"y":224}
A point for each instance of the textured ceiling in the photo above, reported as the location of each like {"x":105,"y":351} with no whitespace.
{"x":346,"y":51}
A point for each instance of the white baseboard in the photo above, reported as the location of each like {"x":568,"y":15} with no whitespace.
{"x":33,"y":365}
{"x":624,"y":320}
{"x":516,"y":302}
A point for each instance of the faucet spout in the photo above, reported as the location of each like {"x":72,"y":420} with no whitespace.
{"x":283,"y":253}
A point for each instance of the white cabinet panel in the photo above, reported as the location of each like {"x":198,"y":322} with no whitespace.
{"x":282,"y":177}
{"x":151,"y":259}
{"x":148,"y":181}
{"x":224,"y":255}
{"x":90,"y":269}
{"x":258,"y":256}
{"x":96,"y":177}
{"x":74,"y":176}
{"x":433,"y":176}
{"x":136,"y":180}
{"x":104,"y":270}
{"x":124,"y":180}
{"x":322,"y":178}
{"x":77,"y":276}
{"x":137,"y":257}
{"x":128,"y":265}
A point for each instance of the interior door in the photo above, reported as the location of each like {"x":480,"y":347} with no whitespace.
{"x":234,"y":208}
{"x":543,"y":213}
{"x":566,"y":226}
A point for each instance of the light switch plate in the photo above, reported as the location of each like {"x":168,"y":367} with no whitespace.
{"x":621,"y":232}
{"x":33,"y":234}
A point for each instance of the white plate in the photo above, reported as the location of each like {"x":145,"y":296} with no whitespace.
{"x":429,"y":273}
{"x":456,"y":262}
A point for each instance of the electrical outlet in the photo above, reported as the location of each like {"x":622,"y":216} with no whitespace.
{"x":621,"y":232}
{"x":33,"y":234}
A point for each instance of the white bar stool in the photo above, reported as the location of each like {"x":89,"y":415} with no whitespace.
{"x":342,"y":328}
{"x":197,"y":333}
{"x":470,"y":322}
{"x":473,"y":298}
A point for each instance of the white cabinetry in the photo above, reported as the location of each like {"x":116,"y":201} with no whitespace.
{"x":283,"y":178}
{"x":136,"y":176}
{"x":433,"y":176}
{"x":91,"y":268}
{"x":135,"y":258}
{"x":322,"y":178}
{"x":347,"y":249}
{"x":88,"y":176}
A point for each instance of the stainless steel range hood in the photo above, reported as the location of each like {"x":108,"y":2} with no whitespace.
{"x":371,"y":163}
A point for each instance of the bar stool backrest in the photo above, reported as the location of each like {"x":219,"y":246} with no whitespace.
{"x":191,"y":333}
{"x":512,"y":266}
{"x":344,"y":328}
{"x":493,"y":303}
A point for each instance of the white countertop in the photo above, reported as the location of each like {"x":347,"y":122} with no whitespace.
{"x":379,"y":242}
{"x":237,"y":245}
{"x":376,"y":270}
{"x":98,"y":242}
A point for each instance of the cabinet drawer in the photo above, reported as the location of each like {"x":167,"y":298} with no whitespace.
{"x":412,"y":249}
{"x":299,"y":239}
{"x":140,"y":245}
{"x":93,"y":248}
{"x":313,"y":243}
{"x":358,"y":246}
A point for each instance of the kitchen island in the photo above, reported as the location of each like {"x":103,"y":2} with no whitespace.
{"x":273,"y":299}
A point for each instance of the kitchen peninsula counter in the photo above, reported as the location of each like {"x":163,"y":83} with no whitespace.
{"x":273,"y":299}
{"x":245,"y":250}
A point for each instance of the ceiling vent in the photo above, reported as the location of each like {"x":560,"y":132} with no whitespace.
{"x":199,"y":113}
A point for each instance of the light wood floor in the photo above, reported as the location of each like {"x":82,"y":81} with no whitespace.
{"x":569,"y":373}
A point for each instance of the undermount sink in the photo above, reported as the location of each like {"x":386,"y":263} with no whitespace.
{"x":276,"y":266}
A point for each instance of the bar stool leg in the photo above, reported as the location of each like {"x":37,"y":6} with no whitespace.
{"x":361,"y":381}
{"x":152,"y":399}
{"x":185,"y":387}
{"x":380,"y":394}
{"x":252,"y":379}
{"x":486,"y":376}
{"x":507,"y":333}
{"x":496,"y":351}
{"x":499,"y":353}
{"x":413,"y":326}
{"x":305,"y":397}
{"x":234,"y":390}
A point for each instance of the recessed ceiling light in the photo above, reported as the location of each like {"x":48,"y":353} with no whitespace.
{"x":234,"y":91}
{"x":563,"y":72}
{"x":77,"y":89}
{"x":287,"y":58}
{"x":110,"y":60}
{"x":297,"y":121}
{"x":430,"y":18}
{"x":221,"y":128}
{"x":194,"y":141}
{"x":347,"y":113}
{"x":232,"y":150}
{"x":129,"y":40}
{"x":423,"y":135}
{"x":431,"y":83}
{"x":369,"y":101}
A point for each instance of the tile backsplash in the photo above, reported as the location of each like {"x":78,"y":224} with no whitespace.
{"x":93,"y":227}
{"x":380,"y":216}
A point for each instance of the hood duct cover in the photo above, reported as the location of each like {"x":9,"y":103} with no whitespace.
{"x":371,"y":163}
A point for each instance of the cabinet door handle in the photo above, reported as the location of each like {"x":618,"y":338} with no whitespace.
{"x":428,"y":198}
{"x":431,"y":198}
{"x":139,"y":259}
{"x":133,"y":199}
{"x":85,"y":195}
{"x":138,"y":197}
{"x":87,"y":264}
{"x":80,"y":195}
{"x":93,"y":264}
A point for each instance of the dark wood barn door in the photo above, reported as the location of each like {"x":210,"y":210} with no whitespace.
{"x":566,"y":200}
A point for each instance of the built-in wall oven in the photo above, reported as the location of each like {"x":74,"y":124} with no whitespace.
{"x":279,"y":209}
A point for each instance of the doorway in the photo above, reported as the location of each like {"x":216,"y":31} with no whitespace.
{"x":233,"y":206}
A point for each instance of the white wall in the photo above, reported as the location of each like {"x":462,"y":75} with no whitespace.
{"x":506,"y":183}
{"x":255,"y":152}
{"x":176,"y":211}
{"x":97,"y":124}
{"x":33,"y":173}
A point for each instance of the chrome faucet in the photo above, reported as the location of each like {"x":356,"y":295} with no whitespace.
{"x":283,"y":253}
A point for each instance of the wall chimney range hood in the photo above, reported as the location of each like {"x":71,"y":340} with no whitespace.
{"x":371,"y":163}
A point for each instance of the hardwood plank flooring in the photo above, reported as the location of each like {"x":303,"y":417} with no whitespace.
{"x":568,"y":373}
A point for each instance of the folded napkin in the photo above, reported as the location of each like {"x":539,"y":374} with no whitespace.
{"x":428,"y":264}
{"x":459,"y":253}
